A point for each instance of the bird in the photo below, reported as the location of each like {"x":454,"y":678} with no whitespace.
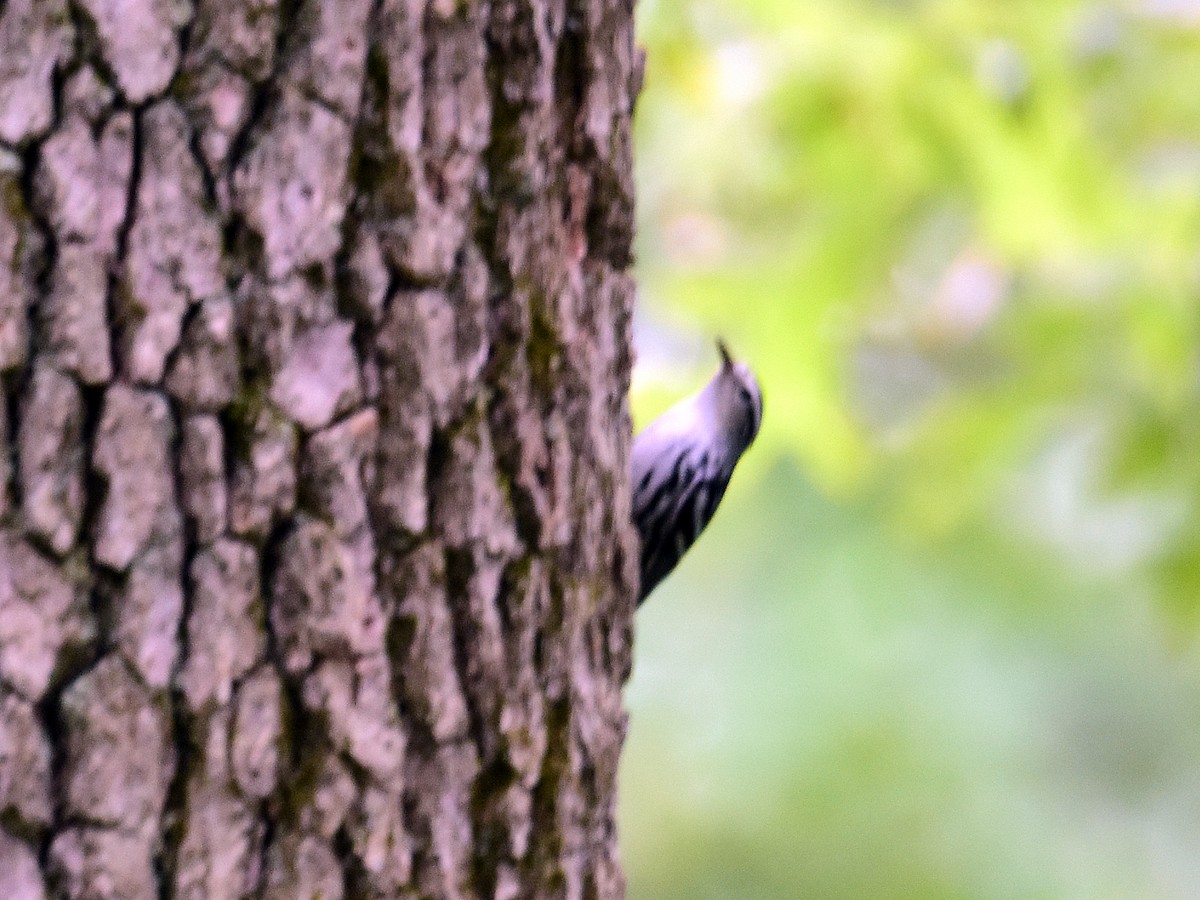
{"x":681,"y":463}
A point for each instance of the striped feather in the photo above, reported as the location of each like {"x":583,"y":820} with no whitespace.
{"x":670,"y":515}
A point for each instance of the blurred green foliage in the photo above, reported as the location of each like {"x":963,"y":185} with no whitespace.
{"x":941,"y":639}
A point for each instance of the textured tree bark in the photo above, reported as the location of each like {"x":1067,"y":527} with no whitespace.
{"x":316,"y":571}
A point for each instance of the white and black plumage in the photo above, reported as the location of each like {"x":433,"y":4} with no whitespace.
{"x":682,"y":462}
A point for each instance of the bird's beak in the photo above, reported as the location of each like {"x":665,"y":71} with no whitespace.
{"x":724,"y":351}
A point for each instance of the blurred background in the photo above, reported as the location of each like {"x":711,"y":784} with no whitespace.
{"x":942,"y":639}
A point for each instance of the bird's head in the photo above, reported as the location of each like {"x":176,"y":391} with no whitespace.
{"x":737,"y":399}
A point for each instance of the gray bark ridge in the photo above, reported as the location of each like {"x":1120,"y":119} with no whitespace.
{"x":316,"y":567}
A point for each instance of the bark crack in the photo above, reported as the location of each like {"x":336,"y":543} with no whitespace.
{"x":312,"y":420}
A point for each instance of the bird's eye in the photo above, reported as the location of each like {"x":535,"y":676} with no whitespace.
{"x":753,"y":411}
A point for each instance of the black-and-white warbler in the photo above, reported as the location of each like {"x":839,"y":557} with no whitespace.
{"x":682,"y":462}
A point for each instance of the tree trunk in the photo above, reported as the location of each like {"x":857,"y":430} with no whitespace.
{"x":316,"y":571}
